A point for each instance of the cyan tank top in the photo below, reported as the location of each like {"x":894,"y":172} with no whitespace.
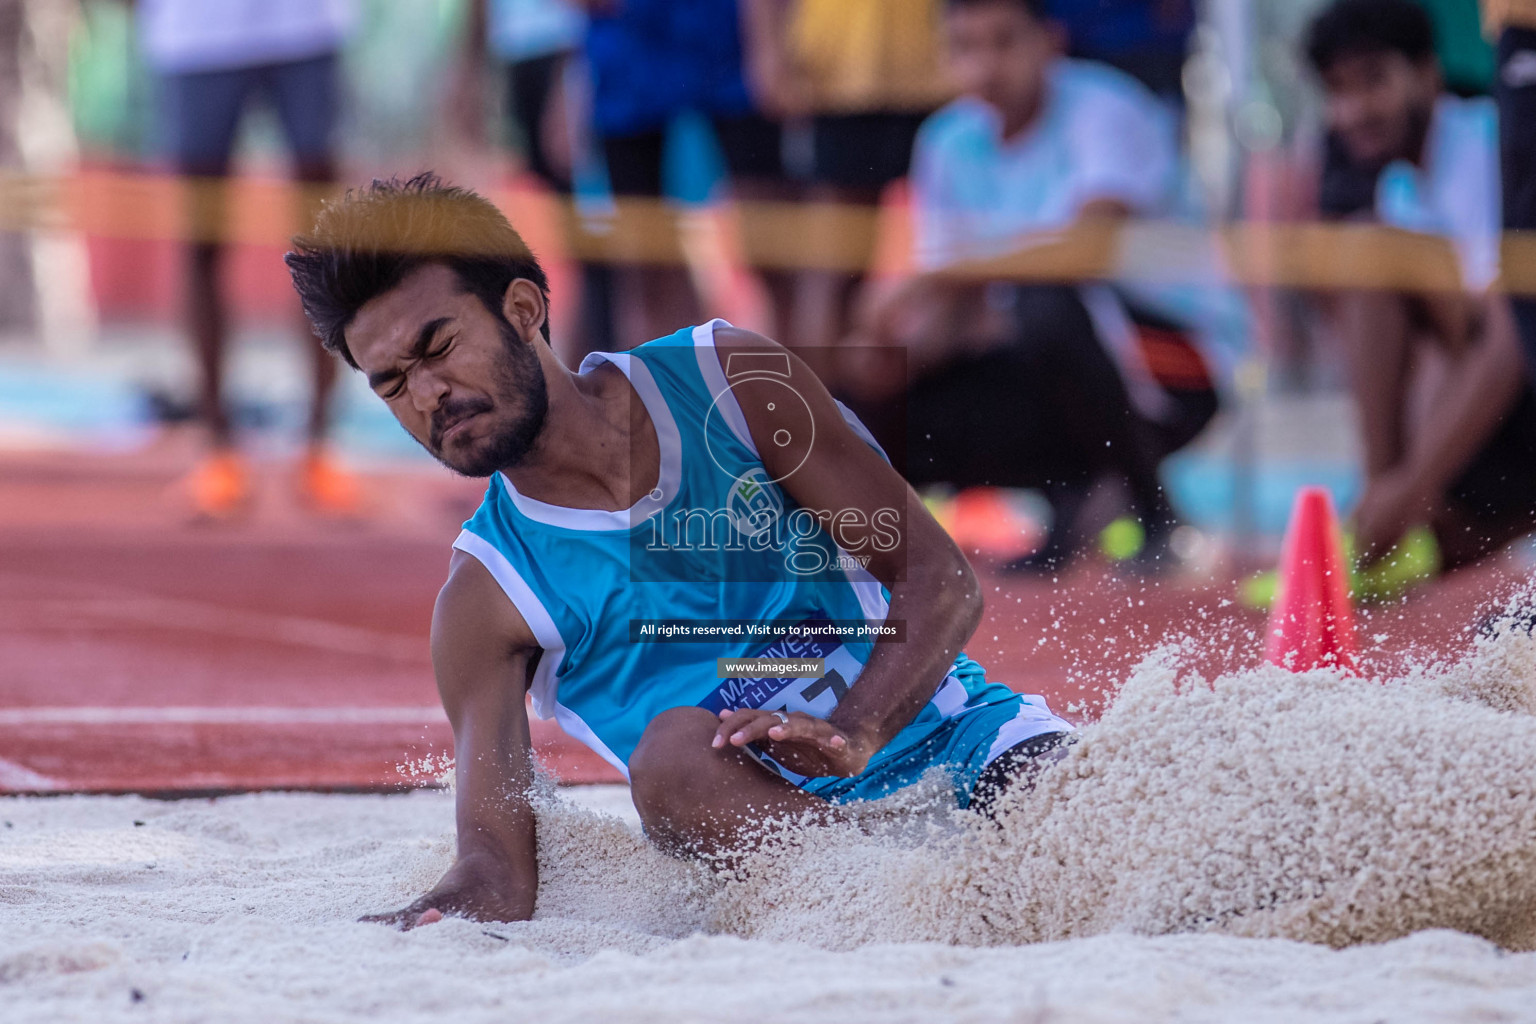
{"x":717,"y":542}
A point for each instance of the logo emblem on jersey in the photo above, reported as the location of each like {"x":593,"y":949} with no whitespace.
{"x":768,"y":377}
{"x":754,"y":504}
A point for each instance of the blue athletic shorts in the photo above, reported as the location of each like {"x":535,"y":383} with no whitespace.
{"x":963,"y":746}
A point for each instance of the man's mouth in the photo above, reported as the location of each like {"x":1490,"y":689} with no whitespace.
{"x":455,"y":429}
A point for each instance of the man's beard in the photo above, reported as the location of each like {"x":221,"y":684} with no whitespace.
{"x":519,"y":375}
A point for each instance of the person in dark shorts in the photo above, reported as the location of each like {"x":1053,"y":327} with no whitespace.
{"x":214,"y":58}
{"x":1047,"y":385}
{"x":652,"y":60}
{"x":1461,"y":461}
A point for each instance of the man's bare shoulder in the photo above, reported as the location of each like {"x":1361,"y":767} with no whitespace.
{"x":739,"y":339}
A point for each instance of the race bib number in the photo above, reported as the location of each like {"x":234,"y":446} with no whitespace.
{"x":814,"y":696}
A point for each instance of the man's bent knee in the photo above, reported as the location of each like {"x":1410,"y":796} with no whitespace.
{"x":666,"y":765}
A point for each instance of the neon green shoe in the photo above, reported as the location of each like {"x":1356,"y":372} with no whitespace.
{"x":1122,"y":539}
{"x":1414,"y":560}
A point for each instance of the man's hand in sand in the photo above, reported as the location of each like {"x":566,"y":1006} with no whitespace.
{"x":800,"y":742}
{"x":474,"y":887}
{"x":419,"y":913}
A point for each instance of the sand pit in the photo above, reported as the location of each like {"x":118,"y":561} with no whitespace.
{"x":1266,"y":846}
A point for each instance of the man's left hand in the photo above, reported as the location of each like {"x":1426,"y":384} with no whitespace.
{"x":802,"y":743}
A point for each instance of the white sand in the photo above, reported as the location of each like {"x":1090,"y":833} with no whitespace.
{"x":1165,"y":871}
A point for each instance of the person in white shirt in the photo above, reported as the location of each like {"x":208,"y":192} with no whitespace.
{"x":214,"y":58}
{"x":1044,"y":385}
{"x":1424,"y":162}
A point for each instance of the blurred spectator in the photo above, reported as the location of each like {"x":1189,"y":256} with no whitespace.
{"x":1515,"y":91}
{"x":17,"y":296}
{"x":214,"y":57}
{"x":1040,"y":385}
{"x":652,"y":60}
{"x":1459,"y":458}
{"x":866,"y":73}
{"x":1147,"y":39}
{"x":538,"y":45}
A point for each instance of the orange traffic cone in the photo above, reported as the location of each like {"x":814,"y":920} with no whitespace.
{"x":1312,"y":624}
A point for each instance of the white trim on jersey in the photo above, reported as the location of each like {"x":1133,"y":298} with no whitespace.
{"x":725,"y":398}
{"x":667,"y":442}
{"x":714,"y":379}
{"x":544,"y":687}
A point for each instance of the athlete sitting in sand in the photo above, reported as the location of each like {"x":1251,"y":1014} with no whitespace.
{"x":704,"y":478}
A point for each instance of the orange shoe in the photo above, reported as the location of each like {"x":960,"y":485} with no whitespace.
{"x":984,"y":520}
{"x":220,"y":486}
{"x":327,"y":488}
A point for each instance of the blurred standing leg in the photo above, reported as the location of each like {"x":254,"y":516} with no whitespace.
{"x":202,"y":111}
{"x":306,"y":95}
{"x":653,"y":287}
{"x":854,"y":158}
{"x":867,"y":72}
{"x":1515,"y":90}
{"x":752,"y":145}
{"x":17,"y":297}
{"x":1049,"y":409}
{"x":541,"y":111}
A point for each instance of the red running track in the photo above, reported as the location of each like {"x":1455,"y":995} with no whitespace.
{"x":141,"y":653}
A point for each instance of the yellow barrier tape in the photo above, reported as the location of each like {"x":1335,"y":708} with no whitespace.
{"x":789,"y":235}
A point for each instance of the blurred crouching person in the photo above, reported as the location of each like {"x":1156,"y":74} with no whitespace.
{"x":1447,"y":416}
{"x":1045,"y":384}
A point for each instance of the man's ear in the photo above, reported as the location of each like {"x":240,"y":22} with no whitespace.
{"x":524,"y":307}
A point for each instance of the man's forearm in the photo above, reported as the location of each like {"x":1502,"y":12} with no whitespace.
{"x":497,"y":827}
{"x":940,"y":605}
{"x":933,"y":316}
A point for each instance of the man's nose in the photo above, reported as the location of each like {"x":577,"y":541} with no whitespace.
{"x":427,"y":390}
